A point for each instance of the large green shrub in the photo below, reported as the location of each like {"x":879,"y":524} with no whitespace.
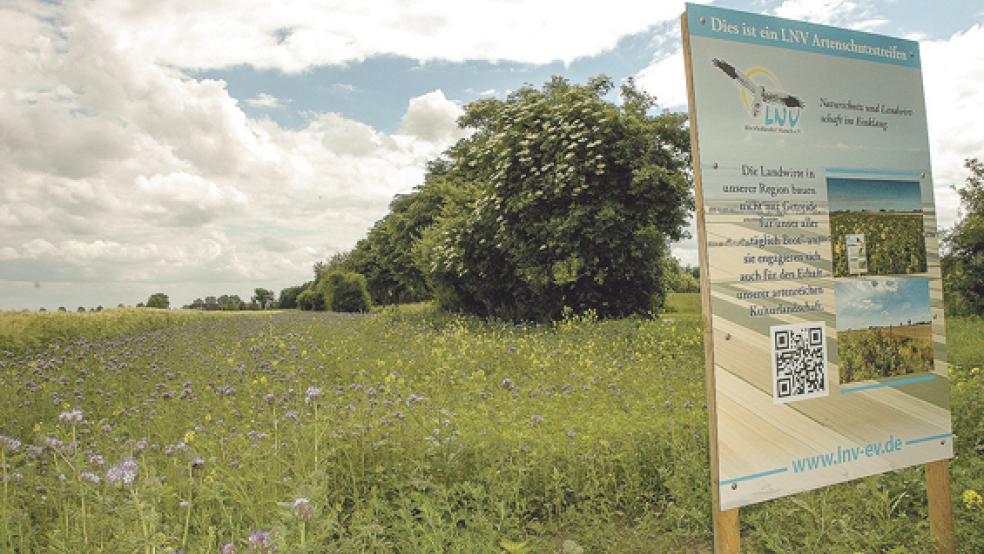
{"x":575,"y":201}
{"x":345,"y":291}
{"x":311,"y":299}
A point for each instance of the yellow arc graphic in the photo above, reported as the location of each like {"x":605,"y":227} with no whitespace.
{"x":754,"y":72}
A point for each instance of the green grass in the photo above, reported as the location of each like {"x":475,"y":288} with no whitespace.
{"x":24,"y":331}
{"x":432,"y":433}
{"x":683,"y":304}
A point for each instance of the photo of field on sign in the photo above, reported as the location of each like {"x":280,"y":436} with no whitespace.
{"x":884,"y":328}
{"x":886,"y":216}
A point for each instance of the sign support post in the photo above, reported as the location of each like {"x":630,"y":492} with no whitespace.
{"x":940,"y":506}
{"x":727,"y":535}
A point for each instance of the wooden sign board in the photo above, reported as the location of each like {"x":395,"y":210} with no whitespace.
{"x":819,"y":254}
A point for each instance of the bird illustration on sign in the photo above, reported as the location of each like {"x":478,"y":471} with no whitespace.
{"x":760,"y":95}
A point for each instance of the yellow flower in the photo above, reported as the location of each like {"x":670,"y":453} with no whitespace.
{"x":975,"y":371}
{"x":972,"y":499}
{"x":189,"y":436}
{"x":37,"y":427}
{"x":263,"y":380}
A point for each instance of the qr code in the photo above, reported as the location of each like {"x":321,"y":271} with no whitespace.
{"x":799,"y":361}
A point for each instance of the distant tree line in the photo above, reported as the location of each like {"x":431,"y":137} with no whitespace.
{"x":559,"y":198}
{"x":335,"y":287}
{"x":262,"y":299}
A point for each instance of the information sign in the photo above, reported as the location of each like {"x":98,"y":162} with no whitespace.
{"x":818,"y":241}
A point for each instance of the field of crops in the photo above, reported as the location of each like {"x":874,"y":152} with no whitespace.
{"x":884,"y":352}
{"x":895,"y":241}
{"x":413,"y":431}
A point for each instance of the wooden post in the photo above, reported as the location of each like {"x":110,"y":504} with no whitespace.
{"x":727,"y":536}
{"x":940,"y":506}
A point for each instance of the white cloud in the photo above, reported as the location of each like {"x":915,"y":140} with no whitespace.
{"x":953,"y":74}
{"x":265,"y":101}
{"x":432,"y":117}
{"x":827,"y":12}
{"x":295,"y":35}
{"x":114,"y":170}
{"x":665,"y":80}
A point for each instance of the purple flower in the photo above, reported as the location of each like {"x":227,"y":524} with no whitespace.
{"x":302,"y":508}
{"x":197,"y":463}
{"x":261,"y":540}
{"x":536,"y":420}
{"x":124,"y":472}
{"x":312,"y":393}
{"x":184,"y":504}
{"x":96,"y":460}
{"x":228,"y":548}
{"x":71,"y":417}
{"x":10,"y":443}
{"x":90,"y":477}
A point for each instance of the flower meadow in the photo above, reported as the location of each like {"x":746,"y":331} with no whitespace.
{"x":411,"y":430}
{"x":896,"y":242}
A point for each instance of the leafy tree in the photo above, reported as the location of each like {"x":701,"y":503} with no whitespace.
{"x":81,"y":309}
{"x":62,"y":309}
{"x":311,"y":299}
{"x":385,"y":257}
{"x":679,"y":278}
{"x":197,"y":304}
{"x":159,"y":300}
{"x":345,"y":291}
{"x":288,"y":296}
{"x":262,"y":297}
{"x":230,"y":302}
{"x":963,"y":264}
{"x":576,"y":200}
{"x":339,"y":261}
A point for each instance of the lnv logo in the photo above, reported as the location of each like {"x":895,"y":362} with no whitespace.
{"x":762,"y":95}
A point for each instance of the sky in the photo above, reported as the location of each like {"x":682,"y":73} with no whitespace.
{"x":208,"y":147}
{"x":881,"y":302}
{"x":873,"y":195}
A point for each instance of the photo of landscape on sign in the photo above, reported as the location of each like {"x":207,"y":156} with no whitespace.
{"x":884,"y":328}
{"x":888,"y":217}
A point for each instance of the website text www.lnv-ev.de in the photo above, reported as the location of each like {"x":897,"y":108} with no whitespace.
{"x":845,"y":455}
